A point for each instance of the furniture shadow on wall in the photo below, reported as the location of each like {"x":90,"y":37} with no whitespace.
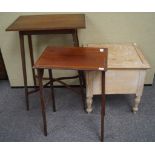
{"x":3,"y":73}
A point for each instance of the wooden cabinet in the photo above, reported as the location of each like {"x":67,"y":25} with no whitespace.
{"x":125,"y":75}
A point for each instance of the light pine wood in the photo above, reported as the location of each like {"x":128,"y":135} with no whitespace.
{"x":146,"y":65}
{"x":89,"y":87}
{"x":126,"y":73}
{"x":116,"y":81}
{"x":139,"y":92}
{"x":122,"y":56}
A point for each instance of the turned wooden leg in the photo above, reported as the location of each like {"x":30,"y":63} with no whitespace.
{"x":139,"y":92}
{"x":136,"y":104}
{"x":89,"y":90}
{"x":89,"y":104}
{"x":40,"y":78}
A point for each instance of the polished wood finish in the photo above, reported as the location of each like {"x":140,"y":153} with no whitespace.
{"x":48,"y":32}
{"x":22,"y":49}
{"x":76,"y":44}
{"x":40,"y":25}
{"x":31,"y":57}
{"x":75,"y":39}
{"x":48,"y":22}
{"x":81,"y":89}
{"x":103,"y":106}
{"x":43,"y":108}
{"x":78,"y":58}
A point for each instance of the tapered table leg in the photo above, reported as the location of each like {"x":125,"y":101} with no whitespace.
{"x":103,"y":106}
{"x":52,"y":89}
{"x":82,"y":90}
{"x":31,"y":57}
{"x":40,"y":79}
{"x":76,"y":44}
{"x":21,"y":37}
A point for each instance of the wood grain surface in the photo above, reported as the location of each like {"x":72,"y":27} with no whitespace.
{"x":78,"y":58}
{"x":48,"y":22}
{"x":124,"y":56}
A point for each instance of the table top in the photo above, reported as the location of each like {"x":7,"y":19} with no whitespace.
{"x":48,"y":22}
{"x":76,"y":58}
{"x":124,"y":56}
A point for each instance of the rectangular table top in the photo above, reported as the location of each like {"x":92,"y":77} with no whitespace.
{"x":124,"y":56}
{"x":76,"y":58}
{"x":48,"y":22}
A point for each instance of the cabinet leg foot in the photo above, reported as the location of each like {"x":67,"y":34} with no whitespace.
{"x":89,"y":104}
{"x":136,"y":104}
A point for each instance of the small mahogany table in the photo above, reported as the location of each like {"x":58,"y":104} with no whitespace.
{"x":45,"y":24}
{"x":72,"y":58}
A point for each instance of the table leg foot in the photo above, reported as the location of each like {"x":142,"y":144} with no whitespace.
{"x":89,"y":104}
{"x":103,"y":106}
{"x":136,"y":104}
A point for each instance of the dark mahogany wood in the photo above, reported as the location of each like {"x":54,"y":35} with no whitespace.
{"x":43,"y":109}
{"x":48,"y":22}
{"x":48,"y":32}
{"x":82,"y":89}
{"x":22,"y":49}
{"x":78,"y":58}
{"x":76,"y":44}
{"x":40,"y":25}
{"x":31,"y":57}
{"x":90,"y":59}
{"x":103,"y":106}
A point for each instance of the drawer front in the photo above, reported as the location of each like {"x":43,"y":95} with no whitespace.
{"x":117,"y":82}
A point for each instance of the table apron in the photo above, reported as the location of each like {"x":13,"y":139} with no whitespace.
{"x":45,"y":32}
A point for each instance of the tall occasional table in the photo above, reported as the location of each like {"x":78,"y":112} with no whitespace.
{"x":75,"y":58}
{"x":44,"y":24}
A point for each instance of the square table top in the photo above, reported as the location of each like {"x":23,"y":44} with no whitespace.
{"x":48,"y":22}
{"x":124,"y":56}
{"x":76,"y":58}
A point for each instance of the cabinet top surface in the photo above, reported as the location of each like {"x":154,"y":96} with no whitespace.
{"x":76,"y":58}
{"x":48,"y":22}
{"x":126,"y":55}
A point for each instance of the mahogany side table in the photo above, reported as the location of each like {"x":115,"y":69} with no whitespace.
{"x":44,"y":24}
{"x":73,"y":58}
